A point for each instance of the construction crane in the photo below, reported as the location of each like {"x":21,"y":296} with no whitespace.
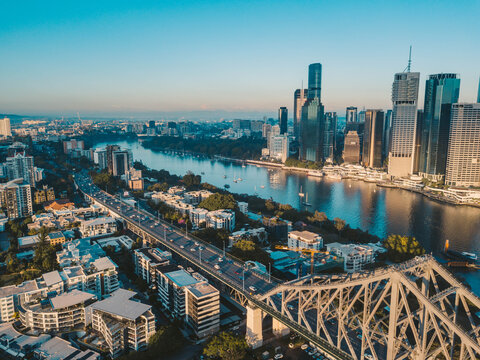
{"x":312,"y":252}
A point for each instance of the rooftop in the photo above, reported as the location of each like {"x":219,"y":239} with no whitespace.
{"x":71,"y":298}
{"x":99,"y":221}
{"x":104,"y":263}
{"x":56,"y":235}
{"x":181,"y":278}
{"x":202,"y":289}
{"x":307,"y":236}
{"x":28,"y":240}
{"x":119,"y":304}
{"x":59,"y":349}
{"x":52,"y":278}
{"x":24,"y":287}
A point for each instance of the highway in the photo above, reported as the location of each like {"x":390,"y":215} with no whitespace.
{"x":230,"y":271}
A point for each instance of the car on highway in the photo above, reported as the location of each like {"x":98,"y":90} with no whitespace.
{"x":252,"y":288}
{"x":216,"y":266}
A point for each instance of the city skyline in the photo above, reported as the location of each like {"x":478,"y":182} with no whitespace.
{"x":127,"y":60}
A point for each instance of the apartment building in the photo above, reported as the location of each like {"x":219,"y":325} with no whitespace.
{"x":63,"y":312}
{"x":196,"y":197}
{"x":16,"y":198}
{"x":355,"y":257}
{"x":304,"y":240}
{"x":43,"y":195}
{"x":148,"y":260}
{"x":221,"y":219}
{"x":123,"y":323}
{"x":98,"y":226}
{"x":202,"y":309}
{"x":57,"y":348}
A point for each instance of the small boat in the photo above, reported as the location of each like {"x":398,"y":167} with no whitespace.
{"x":301,"y":194}
{"x":224,"y":176}
{"x":243,"y":166}
{"x":239,"y":179}
{"x":262,"y":186}
{"x":202,"y":173}
{"x":469,"y":255}
{"x":235,"y":181}
{"x":226,"y":186}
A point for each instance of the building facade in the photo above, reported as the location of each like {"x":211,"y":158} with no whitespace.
{"x":16,"y":198}
{"x":21,"y":166}
{"x":351,"y":114}
{"x":404,"y":123}
{"x":351,"y":148}
{"x":299,"y":98}
{"x":304,"y":240}
{"x":463,"y":158}
{"x":283,"y":120}
{"x":373,"y":139}
{"x":5,"y":129}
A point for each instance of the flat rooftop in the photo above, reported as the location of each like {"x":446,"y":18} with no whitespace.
{"x":104,"y":263}
{"x":307,"y":236}
{"x":202,"y":289}
{"x":71,"y":298}
{"x":181,"y":278}
{"x":52,"y":278}
{"x":119,"y":304}
{"x":59,"y":349}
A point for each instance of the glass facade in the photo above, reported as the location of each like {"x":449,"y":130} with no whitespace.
{"x":373,"y":139}
{"x":441,"y":91}
{"x":315,"y":81}
{"x":283,"y":120}
{"x":311,"y":130}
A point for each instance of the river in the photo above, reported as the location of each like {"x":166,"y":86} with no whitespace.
{"x":381,"y":211}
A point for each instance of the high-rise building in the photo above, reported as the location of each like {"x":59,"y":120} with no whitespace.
{"x":266,"y":129}
{"x":478,"y":96}
{"x":283,"y":120}
{"x":359,"y":128}
{"x":351,"y":148}
{"x":351,"y":114}
{"x":299,"y":98}
{"x":387,"y":133}
{"x":16,"y":198}
{"x":279,"y":147}
{"x":21,"y":166}
{"x":73,"y":144}
{"x":441,"y":91}
{"x":151,"y":124}
{"x":5,"y":129}
{"x":373,"y":139}
{"x":100,"y":158}
{"x":404,"y":123}
{"x":463,"y":158}
{"x":418,"y":142}
{"x":361,"y":116}
{"x":329,"y":133}
{"x":109,"y":150}
{"x":312,"y":123}
{"x":122,"y":161}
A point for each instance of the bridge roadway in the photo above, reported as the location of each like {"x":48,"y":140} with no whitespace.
{"x":230,"y":272}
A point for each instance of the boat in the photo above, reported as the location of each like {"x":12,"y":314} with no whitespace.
{"x":301,"y":194}
{"x":306,"y":203}
{"x":315,"y":173}
{"x":202,"y":173}
{"x":239,"y":179}
{"x":469,"y":255}
{"x":226,"y":186}
{"x":262,"y":186}
{"x":224,"y":176}
{"x":235,"y":180}
{"x":334,"y":176}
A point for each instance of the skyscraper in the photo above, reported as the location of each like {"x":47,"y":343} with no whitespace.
{"x":122,"y":161}
{"x":351,"y":148}
{"x":329,"y":132}
{"x":283,"y":120}
{"x":312,"y":123}
{"x":463,"y":158}
{"x":16,"y":197}
{"x":441,"y":91}
{"x":387,"y":133}
{"x":351,"y":114}
{"x":5,"y":129}
{"x":404,"y":123}
{"x":373,"y":139}
{"x":478,"y":96}
{"x":299,"y":98}
{"x":21,"y":166}
{"x":110,"y":149}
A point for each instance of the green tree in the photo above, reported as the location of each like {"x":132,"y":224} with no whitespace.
{"x":190,"y":179}
{"x":226,"y":346}
{"x":218,"y":201}
{"x":402,"y":248}
{"x":339,"y":225}
{"x":245,"y":245}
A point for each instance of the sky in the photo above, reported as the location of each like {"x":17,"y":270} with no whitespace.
{"x":233,"y":57}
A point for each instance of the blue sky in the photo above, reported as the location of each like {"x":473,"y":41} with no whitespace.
{"x":102,"y":57}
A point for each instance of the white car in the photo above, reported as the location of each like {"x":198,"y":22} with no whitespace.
{"x":216,"y":266}
{"x":182,"y":247}
{"x":304,"y":347}
{"x":252,"y":288}
{"x":278,"y":356}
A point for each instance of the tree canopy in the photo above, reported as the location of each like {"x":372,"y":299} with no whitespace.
{"x":402,"y":248}
{"x":226,"y":346}
{"x":218,"y":201}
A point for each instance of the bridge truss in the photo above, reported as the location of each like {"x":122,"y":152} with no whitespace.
{"x":415,"y":310}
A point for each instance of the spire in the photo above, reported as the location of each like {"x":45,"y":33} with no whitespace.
{"x":409,"y":60}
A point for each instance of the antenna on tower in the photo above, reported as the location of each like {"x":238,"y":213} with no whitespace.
{"x":409,"y":60}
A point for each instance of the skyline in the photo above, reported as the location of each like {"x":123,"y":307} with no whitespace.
{"x":129,"y":59}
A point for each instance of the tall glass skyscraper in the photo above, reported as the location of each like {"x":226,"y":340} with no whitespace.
{"x":478,"y":96}
{"x":299,"y":98}
{"x":329,"y":133}
{"x":312,"y":123}
{"x":373,"y":139}
{"x":283,"y":120}
{"x":351,"y":114}
{"x":441,"y":91}
{"x":404,"y":123}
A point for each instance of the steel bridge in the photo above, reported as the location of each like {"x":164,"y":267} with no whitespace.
{"x":415,"y":310}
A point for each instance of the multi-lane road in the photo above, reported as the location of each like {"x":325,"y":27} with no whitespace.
{"x":203,"y":255}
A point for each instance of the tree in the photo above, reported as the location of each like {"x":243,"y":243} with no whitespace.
{"x":226,"y":346}
{"x":218,"y":201}
{"x":402,"y":248}
{"x":339,"y":225}
{"x":245,"y":245}
{"x":190,"y":179}
{"x":318,"y":217}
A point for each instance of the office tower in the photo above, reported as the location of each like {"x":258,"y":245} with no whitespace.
{"x":351,"y":114}
{"x":279,"y":147}
{"x":266,"y":128}
{"x":283,"y":120}
{"x":387,"y":133}
{"x":463,"y":158}
{"x":151,"y":124}
{"x":73,"y":144}
{"x":299,"y":98}
{"x":361,"y":116}
{"x":21,"y":166}
{"x":329,"y":133}
{"x":16,"y":198}
{"x":122,"y":161}
{"x":404,"y":123}
{"x":5,"y":129}
{"x":441,"y":91}
{"x":351,"y":148}
{"x":359,"y":128}
{"x":109,"y":150}
{"x":418,"y":142}
{"x":311,"y":125}
{"x":373,"y":139}
{"x":478,"y":96}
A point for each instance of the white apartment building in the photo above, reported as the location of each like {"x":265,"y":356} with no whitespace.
{"x":355,"y":256}
{"x":63,"y":312}
{"x":51,"y":349}
{"x":259,"y":233}
{"x":5,"y":129}
{"x":9,"y":298}
{"x":123,"y":323}
{"x":98,"y":226}
{"x":304,"y":240}
{"x":147,"y":260}
{"x":243,"y":207}
{"x":202,"y":309}
{"x":16,"y":197}
{"x":196,"y":197}
{"x":221,"y":219}
{"x":279,"y":147}
{"x":198,"y":216}
{"x":21,"y":166}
